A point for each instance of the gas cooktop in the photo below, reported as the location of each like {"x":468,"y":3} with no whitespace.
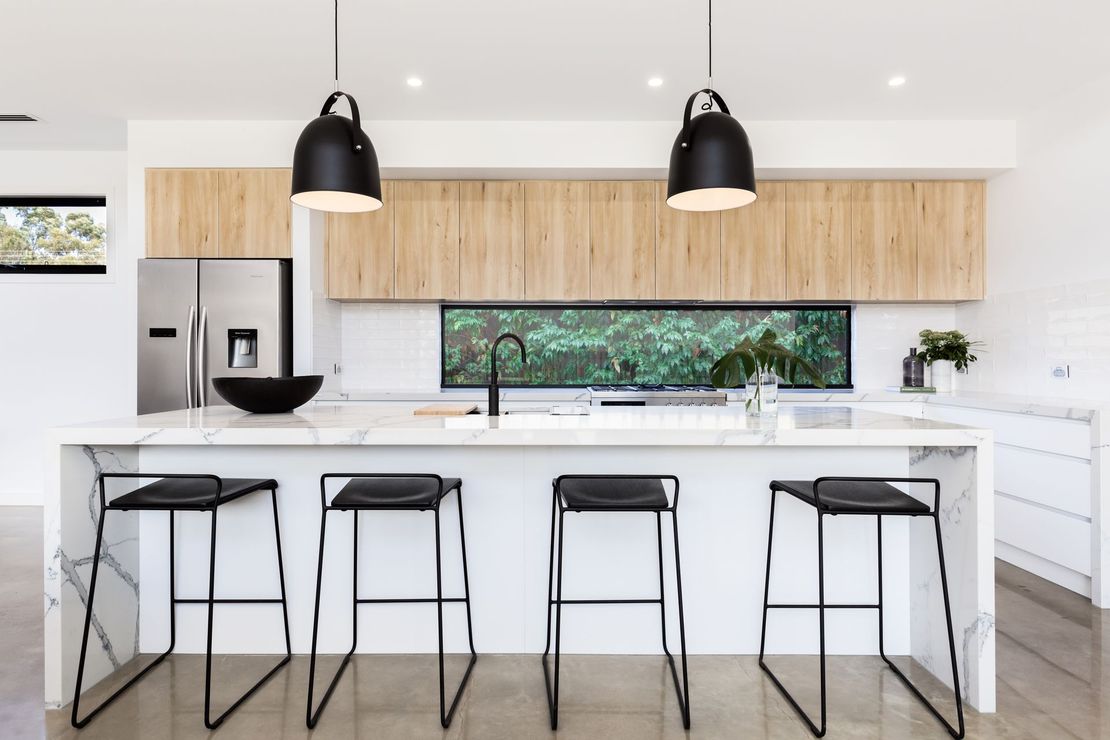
{"x":656,"y":395}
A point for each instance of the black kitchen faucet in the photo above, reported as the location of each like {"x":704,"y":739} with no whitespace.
{"x":494,"y":405}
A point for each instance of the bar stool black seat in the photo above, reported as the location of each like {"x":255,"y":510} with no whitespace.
{"x":174,"y":492}
{"x":838,"y":496}
{"x":613,"y":493}
{"x":391,"y":492}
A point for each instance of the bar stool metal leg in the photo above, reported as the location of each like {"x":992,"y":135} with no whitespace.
{"x":210,"y":723}
{"x":817,"y":731}
{"x":953,"y":731}
{"x":445,"y":716}
{"x":552,"y":686}
{"x":73,"y":718}
{"x":312,"y":718}
{"x":683,"y":690}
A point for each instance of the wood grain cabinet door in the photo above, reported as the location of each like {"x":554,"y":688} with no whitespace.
{"x":491,"y":240}
{"x":818,"y":241}
{"x":557,"y":240}
{"x":753,"y":247}
{"x":359,"y":249}
{"x":426,"y":239}
{"x":182,"y":213}
{"x":950,"y":240}
{"x":687,"y":252}
{"x":884,"y":241}
{"x":622,"y":240}
{"x":255,"y":213}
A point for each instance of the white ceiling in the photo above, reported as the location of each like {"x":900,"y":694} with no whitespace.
{"x":87,"y":67}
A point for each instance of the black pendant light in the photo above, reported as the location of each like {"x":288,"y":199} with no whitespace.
{"x":711,"y":160}
{"x":335,"y":167}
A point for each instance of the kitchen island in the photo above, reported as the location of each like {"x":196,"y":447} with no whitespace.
{"x":724,"y":459}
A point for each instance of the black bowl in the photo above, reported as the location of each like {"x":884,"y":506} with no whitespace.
{"x":268,"y":395}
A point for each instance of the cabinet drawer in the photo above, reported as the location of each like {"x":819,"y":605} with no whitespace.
{"x":1044,"y":478}
{"x":1059,"y":538}
{"x":1034,"y":432}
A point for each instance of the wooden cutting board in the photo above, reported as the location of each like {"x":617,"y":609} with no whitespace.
{"x":446,"y":409}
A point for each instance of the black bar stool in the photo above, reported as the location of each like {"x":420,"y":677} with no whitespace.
{"x":837,"y":496}
{"x":391,"y":492}
{"x":630,"y":493}
{"x":173,"y":493}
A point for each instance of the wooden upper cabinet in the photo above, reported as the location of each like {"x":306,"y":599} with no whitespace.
{"x":491,"y":240}
{"x":359,"y":249}
{"x":426,"y":239}
{"x":950,"y":240}
{"x":818,"y":241}
{"x":556,"y":240}
{"x":753,"y":247}
{"x":687,"y":252}
{"x":622,"y":240}
{"x":884,"y":241}
{"x":182,"y":219}
{"x":255,"y":213}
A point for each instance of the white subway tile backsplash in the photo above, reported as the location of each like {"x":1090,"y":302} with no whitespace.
{"x":1027,"y":333}
{"x":390,"y":346}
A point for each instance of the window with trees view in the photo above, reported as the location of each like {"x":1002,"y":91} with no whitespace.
{"x":53,"y":235}
{"x":577,"y":345}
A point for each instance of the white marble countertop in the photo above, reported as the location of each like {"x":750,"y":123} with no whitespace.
{"x":366,"y":424}
{"x":1061,"y":408}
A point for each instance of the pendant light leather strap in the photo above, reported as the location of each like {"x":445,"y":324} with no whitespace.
{"x":714,"y":96}
{"x":334,"y":98}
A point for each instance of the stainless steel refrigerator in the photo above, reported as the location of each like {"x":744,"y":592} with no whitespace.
{"x":202,"y":319}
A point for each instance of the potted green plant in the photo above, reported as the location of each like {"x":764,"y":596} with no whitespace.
{"x":944,"y":351}
{"x":758,"y":365}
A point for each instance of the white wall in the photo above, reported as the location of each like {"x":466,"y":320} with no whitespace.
{"x":1048,"y":256}
{"x":67,"y":343}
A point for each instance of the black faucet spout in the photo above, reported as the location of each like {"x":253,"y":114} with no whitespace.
{"x":494,"y":392}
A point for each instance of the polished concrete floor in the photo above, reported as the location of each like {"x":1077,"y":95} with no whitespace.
{"x":1053,"y":680}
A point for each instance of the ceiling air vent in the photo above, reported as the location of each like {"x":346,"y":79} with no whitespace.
{"x":15,"y":117}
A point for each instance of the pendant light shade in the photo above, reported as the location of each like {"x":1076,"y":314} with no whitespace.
{"x":711,"y":161}
{"x":335,"y":167}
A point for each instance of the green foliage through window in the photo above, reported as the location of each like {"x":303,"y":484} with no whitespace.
{"x":586,"y":345}
{"x":52,"y":234}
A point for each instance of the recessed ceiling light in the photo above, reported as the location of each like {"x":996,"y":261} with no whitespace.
{"x":655,"y":82}
{"x":897,"y":81}
{"x":414,"y":82}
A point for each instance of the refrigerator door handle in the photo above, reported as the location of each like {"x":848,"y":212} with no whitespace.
{"x":202,"y":358}
{"x":190,"y":383}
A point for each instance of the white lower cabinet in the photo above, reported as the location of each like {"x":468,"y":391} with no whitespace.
{"x":1043,"y":491}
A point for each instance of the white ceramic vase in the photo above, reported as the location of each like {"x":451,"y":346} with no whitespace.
{"x":941,"y":374}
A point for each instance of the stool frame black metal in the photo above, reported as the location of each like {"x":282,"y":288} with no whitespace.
{"x":821,"y":606}
{"x":445,"y":713}
{"x":211,"y":600}
{"x":556,"y":600}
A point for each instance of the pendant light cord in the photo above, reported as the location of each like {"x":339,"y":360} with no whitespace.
{"x":336,"y":46}
{"x":709,"y":104}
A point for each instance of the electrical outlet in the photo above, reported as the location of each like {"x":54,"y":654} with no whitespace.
{"x":1061,"y":372}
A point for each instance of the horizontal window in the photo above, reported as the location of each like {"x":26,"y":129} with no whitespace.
{"x":577,"y":345}
{"x":53,"y":235}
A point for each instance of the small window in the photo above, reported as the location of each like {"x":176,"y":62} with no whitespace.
{"x":53,"y":235}
{"x":578,"y":345}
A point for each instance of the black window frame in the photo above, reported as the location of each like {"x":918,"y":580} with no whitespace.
{"x":646,"y":306}
{"x":63,"y":201}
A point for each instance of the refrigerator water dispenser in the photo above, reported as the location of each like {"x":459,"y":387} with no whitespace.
{"x":242,"y":347}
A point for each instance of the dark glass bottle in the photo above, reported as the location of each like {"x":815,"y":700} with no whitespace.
{"x":913,"y":370}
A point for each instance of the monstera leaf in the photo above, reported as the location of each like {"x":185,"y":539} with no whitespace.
{"x":765,"y":354}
